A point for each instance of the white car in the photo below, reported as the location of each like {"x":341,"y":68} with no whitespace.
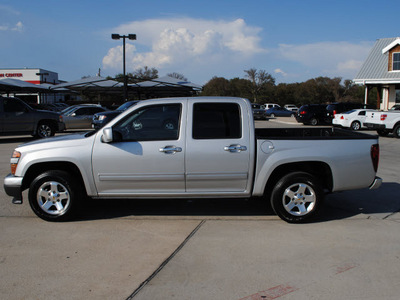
{"x":291,"y":107}
{"x":353,"y":119}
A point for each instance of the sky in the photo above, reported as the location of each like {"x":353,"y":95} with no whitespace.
{"x":292,"y":40}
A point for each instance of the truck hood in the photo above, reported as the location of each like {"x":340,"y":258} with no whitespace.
{"x":61,"y":141}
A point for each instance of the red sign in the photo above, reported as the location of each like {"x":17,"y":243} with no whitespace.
{"x":10,"y":75}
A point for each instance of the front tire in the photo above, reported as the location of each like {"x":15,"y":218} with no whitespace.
{"x":54,"y":196}
{"x":297,"y":197}
{"x":314,"y":122}
{"x":396,"y":131}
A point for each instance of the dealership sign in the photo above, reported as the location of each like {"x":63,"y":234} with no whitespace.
{"x":11,"y":75}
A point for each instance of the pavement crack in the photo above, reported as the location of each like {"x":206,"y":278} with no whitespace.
{"x":165,"y":262}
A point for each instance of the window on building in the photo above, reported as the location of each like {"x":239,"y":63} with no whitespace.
{"x":396,"y":61}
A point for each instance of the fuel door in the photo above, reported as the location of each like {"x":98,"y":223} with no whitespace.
{"x":267,"y":147}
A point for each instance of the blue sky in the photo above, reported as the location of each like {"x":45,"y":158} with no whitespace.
{"x":292,"y":40}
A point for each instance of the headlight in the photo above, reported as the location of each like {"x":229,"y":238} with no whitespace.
{"x":102,"y":117}
{"x":14,"y":161}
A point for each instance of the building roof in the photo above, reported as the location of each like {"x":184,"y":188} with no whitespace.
{"x":375,"y":68}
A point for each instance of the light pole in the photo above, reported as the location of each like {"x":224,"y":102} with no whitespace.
{"x":116,"y":36}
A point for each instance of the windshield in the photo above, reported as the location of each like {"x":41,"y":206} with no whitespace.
{"x":126,"y":105}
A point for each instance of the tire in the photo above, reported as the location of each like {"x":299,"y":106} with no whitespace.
{"x":314,"y":121}
{"x":382,"y":132}
{"x":54,"y":196}
{"x":396,"y":131}
{"x":44,"y":130}
{"x":297,"y":197}
{"x":355,"y":125}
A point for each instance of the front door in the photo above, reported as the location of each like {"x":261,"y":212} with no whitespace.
{"x":146,"y":157}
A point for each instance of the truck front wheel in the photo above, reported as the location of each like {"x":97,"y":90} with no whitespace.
{"x":54,"y":196}
{"x":396,"y":131}
{"x":297,"y":197}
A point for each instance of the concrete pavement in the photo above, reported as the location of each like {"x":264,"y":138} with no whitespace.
{"x":228,"y":249}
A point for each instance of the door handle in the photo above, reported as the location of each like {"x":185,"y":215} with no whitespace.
{"x":170,"y":149}
{"x":235,"y":148}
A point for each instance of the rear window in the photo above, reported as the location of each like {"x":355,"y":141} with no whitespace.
{"x":216,"y":121}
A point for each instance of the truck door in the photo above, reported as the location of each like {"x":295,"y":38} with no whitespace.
{"x":17,"y":117}
{"x":218,"y":149}
{"x":146,"y":156}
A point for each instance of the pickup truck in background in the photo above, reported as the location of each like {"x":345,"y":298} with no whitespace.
{"x":199,"y":147}
{"x":384,"y":122}
{"x":17,"y":117}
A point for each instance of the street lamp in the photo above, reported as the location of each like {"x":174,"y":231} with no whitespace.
{"x":116,"y":36}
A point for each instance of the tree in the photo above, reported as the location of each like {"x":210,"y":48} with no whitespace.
{"x":217,"y":86}
{"x":259,"y":79}
{"x":177,"y":76}
{"x":145,"y":73}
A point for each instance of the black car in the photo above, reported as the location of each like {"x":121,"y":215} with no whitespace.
{"x":102,"y":118}
{"x":258,"y":112}
{"x":340,"y":107}
{"x":313,"y":114}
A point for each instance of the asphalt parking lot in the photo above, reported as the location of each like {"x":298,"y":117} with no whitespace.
{"x":225,"y":249}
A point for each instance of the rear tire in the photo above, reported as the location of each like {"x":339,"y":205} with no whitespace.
{"x":314,"y":122}
{"x":55,"y":196}
{"x":355,"y":126}
{"x":44,"y":130}
{"x":297,"y":197}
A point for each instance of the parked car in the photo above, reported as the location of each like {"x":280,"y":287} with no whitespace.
{"x":80,"y":116}
{"x":291,"y":107}
{"x":278,"y":111}
{"x":339,"y":107}
{"x":102,"y":118}
{"x":17,"y":117}
{"x":353,"y":119}
{"x":313,"y":114}
{"x":258,"y":111}
{"x":384,"y":122}
{"x":395,"y":107}
{"x":270,"y":105}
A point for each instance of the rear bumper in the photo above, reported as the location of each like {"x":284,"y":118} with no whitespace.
{"x":376,"y":183}
{"x":13,"y":188}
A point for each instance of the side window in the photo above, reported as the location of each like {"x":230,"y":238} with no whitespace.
{"x":150,"y":123}
{"x":216,"y":121}
{"x":13,"y":106}
{"x":362,"y":113}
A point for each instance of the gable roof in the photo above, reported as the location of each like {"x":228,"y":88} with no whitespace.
{"x":375,"y":68}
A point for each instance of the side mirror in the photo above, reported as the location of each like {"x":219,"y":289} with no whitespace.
{"x":107,"y":136}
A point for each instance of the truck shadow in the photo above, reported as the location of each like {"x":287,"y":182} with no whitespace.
{"x":378,"y":203}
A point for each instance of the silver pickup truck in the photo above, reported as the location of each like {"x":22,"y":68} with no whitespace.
{"x":201,"y":147}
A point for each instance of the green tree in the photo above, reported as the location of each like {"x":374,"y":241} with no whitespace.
{"x":217,"y":86}
{"x":177,"y":76}
{"x":260,"y":80}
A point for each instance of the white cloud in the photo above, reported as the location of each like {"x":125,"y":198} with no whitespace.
{"x":181,"y":42}
{"x":17,"y":27}
{"x":330,"y":58}
{"x":279,"y":71}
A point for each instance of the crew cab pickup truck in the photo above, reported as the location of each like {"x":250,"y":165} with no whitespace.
{"x":384,"y":122}
{"x":200,"y":147}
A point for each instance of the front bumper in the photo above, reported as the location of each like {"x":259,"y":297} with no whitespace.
{"x":376,"y":183}
{"x":13,"y":188}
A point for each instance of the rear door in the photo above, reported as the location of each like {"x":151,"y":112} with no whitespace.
{"x":17,"y":117}
{"x":218,"y":149}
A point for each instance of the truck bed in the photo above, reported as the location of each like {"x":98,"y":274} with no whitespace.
{"x":315,"y":133}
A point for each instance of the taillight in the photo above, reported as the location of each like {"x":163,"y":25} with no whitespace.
{"x":383,"y":117}
{"x":375,"y":156}
{"x":334,"y":112}
{"x":14,"y":161}
{"x":341,"y":118}
{"x":303,"y":112}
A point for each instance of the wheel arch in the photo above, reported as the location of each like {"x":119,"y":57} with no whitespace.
{"x":318,"y":169}
{"x":40,"y":168}
{"x":51,"y":122}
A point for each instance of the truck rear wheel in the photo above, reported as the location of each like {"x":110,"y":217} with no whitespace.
{"x":297,"y":197}
{"x":54,"y":196}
